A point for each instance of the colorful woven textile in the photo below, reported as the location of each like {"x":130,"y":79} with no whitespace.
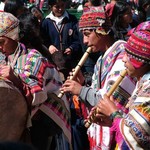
{"x":44,"y":81}
{"x":107,"y":70}
{"x":95,"y":18}
{"x":138,"y":119}
{"x":138,"y":46}
{"x":133,"y":132}
{"x":142,"y":26}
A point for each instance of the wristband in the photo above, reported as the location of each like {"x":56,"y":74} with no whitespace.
{"x":115,"y":114}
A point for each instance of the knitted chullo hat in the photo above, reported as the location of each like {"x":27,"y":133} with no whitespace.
{"x":138,"y":47}
{"x":9,"y":26}
{"x":95,"y":18}
{"x":142,"y":26}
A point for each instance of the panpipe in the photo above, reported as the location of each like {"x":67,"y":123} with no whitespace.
{"x":78,"y":67}
{"x":112,"y":89}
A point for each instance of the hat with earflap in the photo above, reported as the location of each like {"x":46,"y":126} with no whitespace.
{"x":95,"y":18}
{"x":138,"y":47}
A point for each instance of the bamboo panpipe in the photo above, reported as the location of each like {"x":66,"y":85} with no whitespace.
{"x":112,"y":89}
{"x":78,"y":67}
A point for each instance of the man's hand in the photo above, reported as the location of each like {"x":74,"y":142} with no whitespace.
{"x":107,"y":106}
{"x":96,"y":117}
{"x":7,"y":72}
{"x":71,"y":86}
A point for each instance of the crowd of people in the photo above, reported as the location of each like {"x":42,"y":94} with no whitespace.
{"x":38,"y":55}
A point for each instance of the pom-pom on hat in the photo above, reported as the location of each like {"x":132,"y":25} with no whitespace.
{"x":9,"y":26}
{"x":95,"y":18}
{"x":138,"y":46}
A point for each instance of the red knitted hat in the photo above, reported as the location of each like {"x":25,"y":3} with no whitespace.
{"x":142,"y":26}
{"x":138,"y":47}
{"x":95,"y":18}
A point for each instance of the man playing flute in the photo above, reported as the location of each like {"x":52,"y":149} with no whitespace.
{"x":95,"y":27}
{"x":133,"y":130}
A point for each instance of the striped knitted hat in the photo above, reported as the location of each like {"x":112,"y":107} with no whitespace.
{"x":9,"y":26}
{"x":142,"y":26}
{"x":95,"y":18}
{"x":138,"y":47}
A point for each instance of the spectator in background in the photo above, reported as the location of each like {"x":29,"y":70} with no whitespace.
{"x":39,"y":3}
{"x":15,"y":7}
{"x":121,"y":19}
{"x":37,"y":13}
{"x":144,"y":10}
{"x":31,"y":1}
{"x":61,"y":37}
{"x":75,"y":3}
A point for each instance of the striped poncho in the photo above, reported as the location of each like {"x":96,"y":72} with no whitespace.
{"x":43,"y":83}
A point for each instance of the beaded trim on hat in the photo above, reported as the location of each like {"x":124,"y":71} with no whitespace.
{"x":138,"y":46}
{"x":135,"y":56}
{"x":94,"y":18}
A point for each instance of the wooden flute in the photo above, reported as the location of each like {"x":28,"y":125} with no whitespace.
{"x":112,"y":89}
{"x":78,"y":67}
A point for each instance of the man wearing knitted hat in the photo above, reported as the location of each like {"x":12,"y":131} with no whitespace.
{"x":8,"y":28}
{"x":133,"y":130}
{"x":95,"y":27}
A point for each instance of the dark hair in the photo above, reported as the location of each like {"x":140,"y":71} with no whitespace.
{"x":141,"y":3}
{"x":119,"y":10}
{"x":30,"y":34}
{"x":93,"y":2}
{"x":142,"y":13}
{"x":33,"y":8}
{"x":15,"y":7}
{"x":2,"y":0}
{"x":53,"y":2}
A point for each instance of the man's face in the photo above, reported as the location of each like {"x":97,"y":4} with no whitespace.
{"x":131,"y":70}
{"x":93,"y":40}
{"x":7,"y":46}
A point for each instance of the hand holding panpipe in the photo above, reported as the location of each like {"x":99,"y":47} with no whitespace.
{"x":78,"y":67}
{"x":112,"y":89}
